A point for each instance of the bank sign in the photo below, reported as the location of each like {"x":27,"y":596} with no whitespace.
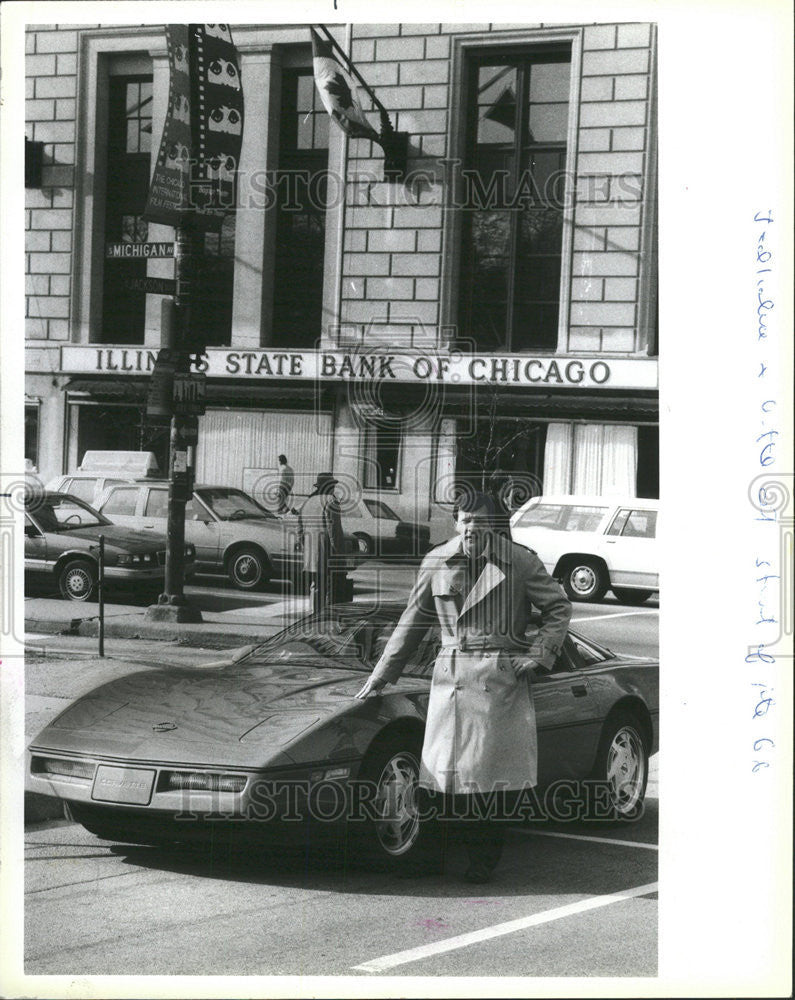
{"x":360,"y":365}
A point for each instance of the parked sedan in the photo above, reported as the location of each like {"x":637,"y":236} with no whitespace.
{"x":594,"y":543}
{"x":62,"y":547}
{"x":378,"y":530}
{"x":231,"y":532}
{"x":169,"y":753}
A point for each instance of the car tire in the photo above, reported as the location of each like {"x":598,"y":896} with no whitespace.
{"x":77,"y":580}
{"x":585,"y":580}
{"x":365,"y":543}
{"x":621,"y":771}
{"x":247,"y":568}
{"x":632,"y":597}
{"x":391,"y":837}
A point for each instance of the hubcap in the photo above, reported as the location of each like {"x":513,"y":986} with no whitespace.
{"x":247,"y":569}
{"x":78,"y":584}
{"x":626,"y":769}
{"x":397,"y":825}
{"x":583,"y":580}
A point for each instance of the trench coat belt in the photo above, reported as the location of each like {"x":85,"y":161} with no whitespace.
{"x":482,"y":643}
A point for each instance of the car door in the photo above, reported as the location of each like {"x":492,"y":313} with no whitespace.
{"x":202,"y":530}
{"x":567,"y":720}
{"x":631,"y":548}
{"x":35,"y":547}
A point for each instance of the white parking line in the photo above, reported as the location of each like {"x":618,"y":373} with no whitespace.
{"x":497,"y":930}
{"x":594,"y":840}
{"x":617,"y":614}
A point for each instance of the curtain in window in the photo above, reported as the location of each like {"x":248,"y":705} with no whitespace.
{"x":588,"y":455}
{"x":620,"y":463}
{"x":557,"y":459}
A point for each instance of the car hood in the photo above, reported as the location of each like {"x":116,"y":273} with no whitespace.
{"x":239,"y":714}
{"x":116,"y":536}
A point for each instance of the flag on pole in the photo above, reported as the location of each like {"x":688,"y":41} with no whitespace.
{"x":196,"y":169}
{"x":338,"y":91}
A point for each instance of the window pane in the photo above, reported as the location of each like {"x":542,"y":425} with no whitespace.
{"x":121,"y":502}
{"x":550,"y":82}
{"x":640,"y":524}
{"x":496,"y":104}
{"x":133,"y":99}
{"x":157,"y":504}
{"x":32,"y":434}
{"x":618,"y":523}
{"x":548,"y":122}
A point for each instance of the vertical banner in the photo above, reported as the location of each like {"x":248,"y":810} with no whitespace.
{"x":196,"y":169}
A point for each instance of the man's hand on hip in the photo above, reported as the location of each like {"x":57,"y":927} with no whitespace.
{"x":524,"y":666}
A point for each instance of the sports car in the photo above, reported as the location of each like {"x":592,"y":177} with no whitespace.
{"x":272,"y":734}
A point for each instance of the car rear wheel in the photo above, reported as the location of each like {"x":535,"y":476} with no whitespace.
{"x":247,"y":568}
{"x":77,"y":580}
{"x":365,"y":543}
{"x":391,"y":836}
{"x":585,"y":580}
{"x":631,"y":596}
{"x":622,"y":769}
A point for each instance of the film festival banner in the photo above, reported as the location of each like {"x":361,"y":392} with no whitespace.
{"x":196,"y":168}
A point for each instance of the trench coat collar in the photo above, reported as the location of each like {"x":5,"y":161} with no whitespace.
{"x":498,"y":557}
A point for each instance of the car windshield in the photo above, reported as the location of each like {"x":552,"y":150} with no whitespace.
{"x":62,"y":512}
{"x":232,"y":505}
{"x":381,"y":510}
{"x":344,"y":640}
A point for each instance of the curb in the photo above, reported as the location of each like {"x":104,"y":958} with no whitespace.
{"x":217,"y":637}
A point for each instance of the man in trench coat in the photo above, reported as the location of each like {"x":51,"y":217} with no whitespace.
{"x":323,"y":539}
{"x":480,"y":734}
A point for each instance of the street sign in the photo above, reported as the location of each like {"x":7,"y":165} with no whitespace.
{"x":131,"y":251}
{"x":190,"y":393}
{"x":152,"y":286}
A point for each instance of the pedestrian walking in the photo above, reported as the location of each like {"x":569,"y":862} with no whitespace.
{"x":480,"y":736}
{"x":286,"y":480}
{"x":323,"y":540}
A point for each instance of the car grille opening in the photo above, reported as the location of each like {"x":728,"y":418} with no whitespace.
{"x":71,"y":770}
{"x":197,"y":781}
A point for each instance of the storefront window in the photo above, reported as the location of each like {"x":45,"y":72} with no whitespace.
{"x":301,"y":224}
{"x":32,"y":434}
{"x":381,"y":456}
{"x":514,"y":186}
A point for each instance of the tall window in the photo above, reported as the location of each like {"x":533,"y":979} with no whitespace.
{"x":129,"y":147}
{"x":514,"y":186}
{"x":32,"y":434}
{"x":301,"y":226}
{"x":381,"y":457}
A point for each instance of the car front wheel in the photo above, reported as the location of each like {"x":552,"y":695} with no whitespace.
{"x":585,"y":580}
{"x":391,"y":835}
{"x":247,"y":568}
{"x":631,"y":596}
{"x":622,"y":769}
{"x":77,"y":580}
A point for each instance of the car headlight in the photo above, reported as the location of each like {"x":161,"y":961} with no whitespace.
{"x":124,"y":560}
{"x":190,"y":551}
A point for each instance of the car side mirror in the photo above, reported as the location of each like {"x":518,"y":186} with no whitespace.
{"x":31,"y":531}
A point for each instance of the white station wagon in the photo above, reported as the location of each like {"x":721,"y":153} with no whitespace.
{"x":594,"y":544}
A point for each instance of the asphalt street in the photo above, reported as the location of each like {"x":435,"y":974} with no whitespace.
{"x":570,"y":900}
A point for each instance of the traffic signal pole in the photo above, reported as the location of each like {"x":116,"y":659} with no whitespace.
{"x":172,"y":604}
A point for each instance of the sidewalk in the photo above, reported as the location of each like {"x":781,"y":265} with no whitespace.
{"x":218,"y":630}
